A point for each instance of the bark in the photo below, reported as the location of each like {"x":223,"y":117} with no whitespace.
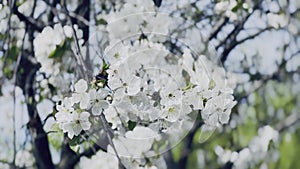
{"x":39,"y":138}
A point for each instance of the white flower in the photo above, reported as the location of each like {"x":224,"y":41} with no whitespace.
{"x":197,"y":69}
{"x":23,"y":8}
{"x":143,"y":107}
{"x":171,"y":112}
{"x":276,"y":20}
{"x":24,"y":159}
{"x":66,"y":106}
{"x":76,"y":123}
{"x":68,"y":31}
{"x":260,"y":144}
{"x":136,"y":142}
{"x":112,"y":117}
{"x":132,"y":16}
{"x":169,"y":96}
{"x":194,"y":97}
{"x":132,"y":85}
{"x":122,"y":77}
{"x":57,"y":35}
{"x":70,"y":120}
{"x":99,"y":101}
{"x":81,"y":96}
{"x":64,"y":112}
{"x":101,"y":160}
{"x":81,"y":86}
{"x":157,"y":24}
{"x":218,"y":107}
{"x":44,"y":45}
{"x":221,"y":6}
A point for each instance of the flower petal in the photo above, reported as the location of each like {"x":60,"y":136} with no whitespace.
{"x":81,"y":86}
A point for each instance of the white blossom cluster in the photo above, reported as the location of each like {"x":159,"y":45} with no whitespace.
{"x":47,"y":42}
{"x":73,"y":113}
{"x":154,"y":89}
{"x":151,"y":96}
{"x":134,"y":17}
{"x":210,"y":86}
{"x":56,"y":69}
{"x":44,"y":45}
{"x":139,"y":77}
{"x":226,"y":7}
{"x":101,"y":160}
{"x":4,"y":12}
{"x":257,"y":151}
{"x":24,"y":159}
{"x":136,"y":78}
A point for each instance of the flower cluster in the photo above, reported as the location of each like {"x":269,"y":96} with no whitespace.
{"x":257,"y":150}
{"x":146,"y":87}
{"x":44,"y":46}
{"x":74,"y":112}
{"x":136,"y":16}
{"x":153,"y":87}
{"x":209,"y":92}
{"x":101,"y":160}
{"x":150,"y":91}
{"x":154,"y":93}
{"x":56,"y":58}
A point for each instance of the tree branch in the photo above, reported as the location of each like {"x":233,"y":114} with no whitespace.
{"x":230,"y":41}
{"x":188,"y":145}
{"x":236,"y":43}
{"x":291,"y":120}
{"x":218,"y":27}
{"x":26,"y":80}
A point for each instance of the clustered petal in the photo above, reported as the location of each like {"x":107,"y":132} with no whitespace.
{"x":73,"y":114}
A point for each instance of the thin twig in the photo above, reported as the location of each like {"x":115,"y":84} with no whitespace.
{"x":218,"y":27}
{"x":106,"y":128}
{"x":15,"y":83}
{"x":230,"y":41}
{"x":290,"y":121}
{"x":70,"y":13}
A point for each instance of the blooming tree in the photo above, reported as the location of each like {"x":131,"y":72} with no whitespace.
{"x":149,"y":84}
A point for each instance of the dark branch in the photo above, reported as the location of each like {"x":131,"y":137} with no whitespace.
{"x":188,"y":145}
{"x":234,"y":43}
{"x":218,"y":27}
{"x":39,"y":137}
{"x":230,"y":41}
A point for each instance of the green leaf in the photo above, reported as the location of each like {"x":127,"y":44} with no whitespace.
{"x":8,"y":72}
{"x":101,"y":21}
{"x":59,"y":51}
{"x":13,"y":53}
{"x":131,"y":125}
{"x":192,"y":160}
{"x":235,"y":9}
{"x":105,"y":66}
{"x":56,"y":140}
{"x":55,"y":128}
{"x":75,"y":141}
{"x":75,"y":148}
